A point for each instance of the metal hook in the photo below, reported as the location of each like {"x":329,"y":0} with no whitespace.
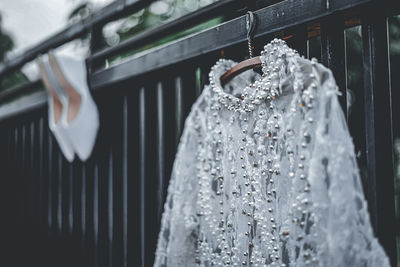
{"x":250,"y":26}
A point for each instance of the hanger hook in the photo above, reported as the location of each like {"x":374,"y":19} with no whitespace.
{"x":250,"y":26}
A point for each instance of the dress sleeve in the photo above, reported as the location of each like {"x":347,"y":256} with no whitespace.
{"x":345,"y":237}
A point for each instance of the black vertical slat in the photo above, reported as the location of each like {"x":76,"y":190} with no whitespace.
{"x":170,"y":130}
{"x":160,"y":150}
{"x":133,"y":176}
{"x":142,"y":158}
{"x":24,"y":200}
{"x":35,"y":132}
{"x":204,"y":71}
{"x":150,"y":172}
{"x":90,"y":213}
{"x":96,"y":216}
{"x":189,"y":89}
{"x":31,"y":174}
{"x":179,"y":108}
{"x":185,"y":93}
{"x":42,"y":177}
{"x":167,"y":91}
{"x":8,"y":192}
{"x":110,"y":210}
{"x":66,"y":182}
{"x":395,"y":95}
{"x":103,"y":210}
{"x":102,"y":152}
{"x":395,"y":79}
{"x":75,"y":213}
{"x":76,"y":202}
{"x":50,"y":181}
{"x":10,"y":179}
{"x":35,"y":165}
{"x":82,"y":206}
{"x":70,"y":198}
{"x":300,"y":40}
{"x":333,"y":54}
{"x":116,"y":194}
{"x":96,"y":43}
{"x":314,"y":48}
{"x":356,"y":108}
{"x":124,"y":189}
{"x":379,"y":131}
{"x":199,"y":88}
{"x":18,"y":173}
{"x":59,"y":192}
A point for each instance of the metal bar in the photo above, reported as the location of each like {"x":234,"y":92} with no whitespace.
{"x":333,"y":54}
{"x":170,"y":122}
{"x":50,"y":181}
{"x":31,"y":176}
{"x":110,"y":207}
{"x":75,"y":203}
{"x":151,"y":184}
{"x":142,"y":147}
{"x":189,"y":89}
{"x":96,"y":215}
{"x":299,"y":41}
{"x":135,"y":176}
{"x":42,"y":188}
{"x":103,"y":222}
{"x":23,"y":104}
{"x":277,"y":17}
{"x":23,"y":175}
{"x":216,"y":9}
{"x":70,"y":199}
{"x":116,"y":171}
{"x":125,"y":144}
{"x":35,"y":165}
{"x":13,"y":92}
{"x":83,"y":199}
{"x":90,"y":239}
{"x":160,"y":150}
{"x":356,"y":110}
{"x":17,"y":145}
{"x":378,"y":122}
{"x":178,"y":107}
{"x":59,"y":192}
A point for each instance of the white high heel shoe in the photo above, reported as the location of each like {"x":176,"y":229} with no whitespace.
{"x":56,"y":94}
{"x":82,"y":121}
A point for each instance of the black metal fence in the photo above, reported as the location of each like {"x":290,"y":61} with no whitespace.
{"x":106,"y":211}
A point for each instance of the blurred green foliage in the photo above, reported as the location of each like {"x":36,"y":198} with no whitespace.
{"x":6,"y":45}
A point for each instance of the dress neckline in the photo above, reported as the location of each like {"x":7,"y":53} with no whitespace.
{"x":275,"y":63}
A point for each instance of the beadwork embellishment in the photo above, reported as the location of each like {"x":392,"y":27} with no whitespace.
{"x":258,"y":179}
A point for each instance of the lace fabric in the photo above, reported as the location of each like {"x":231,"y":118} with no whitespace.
{"x":266,"y":174}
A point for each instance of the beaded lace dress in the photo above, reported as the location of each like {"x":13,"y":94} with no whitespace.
{"x":266,"y":174}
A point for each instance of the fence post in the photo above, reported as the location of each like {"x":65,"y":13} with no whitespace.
{"x":378,"y":123}
{"x":333,"y":54}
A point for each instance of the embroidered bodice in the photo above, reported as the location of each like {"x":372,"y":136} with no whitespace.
{"x":266,"y":175}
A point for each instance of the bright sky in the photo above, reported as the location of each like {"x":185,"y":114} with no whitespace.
{"x":31,"y":21}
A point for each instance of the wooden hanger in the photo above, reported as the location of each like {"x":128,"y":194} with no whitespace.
{"x":252,"y":62}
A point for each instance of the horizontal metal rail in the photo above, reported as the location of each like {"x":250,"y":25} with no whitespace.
{"x":222,"y":7}
{"x":114,"y":10}
{"x":273,"y":18}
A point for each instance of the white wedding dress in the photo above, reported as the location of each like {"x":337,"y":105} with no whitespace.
{"x":266,"y":174}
